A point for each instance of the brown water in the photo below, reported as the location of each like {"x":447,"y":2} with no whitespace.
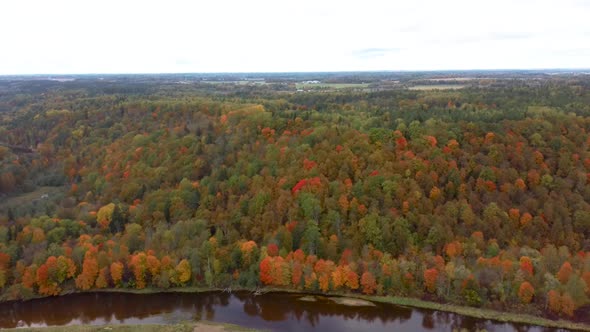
{"x":273,"y":311}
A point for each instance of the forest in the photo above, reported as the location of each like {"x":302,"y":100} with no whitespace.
{"x":478,"y":196}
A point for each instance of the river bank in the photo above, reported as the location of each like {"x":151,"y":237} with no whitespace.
{"x":480,"y":313}
{"x":347,"y":299}
{"x":185,"y":327}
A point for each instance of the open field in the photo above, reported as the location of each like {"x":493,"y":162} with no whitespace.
{"x":244,"y":82}
{"x":437,"y":87}
{"x":311,"y":86}
{"x":32,"y":196}
{"x":454,"y":79}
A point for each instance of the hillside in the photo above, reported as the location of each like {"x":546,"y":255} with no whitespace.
{"x":477,"y":196}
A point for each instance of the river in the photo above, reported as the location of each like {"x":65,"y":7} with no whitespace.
{"x":271,"y":311}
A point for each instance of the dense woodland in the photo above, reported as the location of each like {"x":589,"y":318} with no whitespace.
{"x":478,"y":196}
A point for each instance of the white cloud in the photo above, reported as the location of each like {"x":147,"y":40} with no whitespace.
{"x":113,"y":36}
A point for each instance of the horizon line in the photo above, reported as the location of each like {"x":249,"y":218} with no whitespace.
{"x":575,"y":69}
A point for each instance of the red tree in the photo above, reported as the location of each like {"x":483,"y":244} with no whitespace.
{"x":265,"y":270}
{"x":430,"y":277}
{"x":526,"y":265}
{"x":272,"y":250}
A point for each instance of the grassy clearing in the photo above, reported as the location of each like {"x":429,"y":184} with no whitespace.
{"x":437,"y":87}
{"x":28,"y":198}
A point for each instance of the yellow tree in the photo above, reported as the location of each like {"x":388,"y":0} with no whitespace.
{"x":183,"y":270}
{"x":104,"y":216}
{"x":138,"y":264}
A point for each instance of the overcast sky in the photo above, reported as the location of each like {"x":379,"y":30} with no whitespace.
{"x":123,"y":36}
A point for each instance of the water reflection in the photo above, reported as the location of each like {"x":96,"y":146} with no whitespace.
{"x":277,"y":311}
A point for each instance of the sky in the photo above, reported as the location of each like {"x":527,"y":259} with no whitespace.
{"x":174,"y":36}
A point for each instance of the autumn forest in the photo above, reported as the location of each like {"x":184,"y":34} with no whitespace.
{"x":477,"y":196}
